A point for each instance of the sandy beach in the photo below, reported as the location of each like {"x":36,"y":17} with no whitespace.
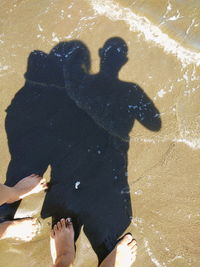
{"x":163,"y":166}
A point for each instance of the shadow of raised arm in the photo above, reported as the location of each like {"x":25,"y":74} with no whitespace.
{"x":142,"y":108}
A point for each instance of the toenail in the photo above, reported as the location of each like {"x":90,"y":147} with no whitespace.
{"x":69,"y":220}
{"x":129,"y":237}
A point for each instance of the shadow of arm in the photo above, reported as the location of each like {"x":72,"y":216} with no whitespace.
{"x":143,"y":109}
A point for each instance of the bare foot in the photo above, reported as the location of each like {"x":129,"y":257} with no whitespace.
{"x":124,"y":253}
{"x":23,"y":229}
{"x":27,"y":186}
{"x":62,"y":243}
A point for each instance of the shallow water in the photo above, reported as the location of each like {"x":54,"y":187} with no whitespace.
{"x":164,"y":59}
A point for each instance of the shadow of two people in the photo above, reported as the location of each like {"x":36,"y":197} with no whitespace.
{"x":79,"y":124}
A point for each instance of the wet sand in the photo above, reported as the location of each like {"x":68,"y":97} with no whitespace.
{"x":163,"y":167}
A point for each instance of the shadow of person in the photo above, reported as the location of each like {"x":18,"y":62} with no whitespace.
{"x":78,"y":124}
{"x":39,"y":118}
{"x":97,"y":191}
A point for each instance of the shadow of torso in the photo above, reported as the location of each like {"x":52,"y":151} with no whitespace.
{"x":81,"y":129}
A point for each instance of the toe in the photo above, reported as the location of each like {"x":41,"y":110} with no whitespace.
{"x":132,"y":243}
{"x":69,"y":224}
{"x":134,"y":249}
{"x":55,"y":228}
{"x":126,"y":239}
{"x":63,"y":222}
{"x":59,"y":226}
{"x":69,"y":221}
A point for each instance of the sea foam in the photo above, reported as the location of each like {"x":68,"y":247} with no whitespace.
{"x":115,"y":11}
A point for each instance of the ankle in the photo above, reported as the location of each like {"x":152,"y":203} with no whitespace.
{"x":13,"y":195}
{"x":63,"y":261}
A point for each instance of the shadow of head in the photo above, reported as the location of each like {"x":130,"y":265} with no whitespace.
{"x":113,"y":55}
{"x":64,"y":50}
{"x":48,"y":68}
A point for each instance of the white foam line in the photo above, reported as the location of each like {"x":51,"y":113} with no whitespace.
{"x":175,"y":258}
{"x":194,"y":143}
{"x":152,"y":257}
{"x":151,"y":32}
